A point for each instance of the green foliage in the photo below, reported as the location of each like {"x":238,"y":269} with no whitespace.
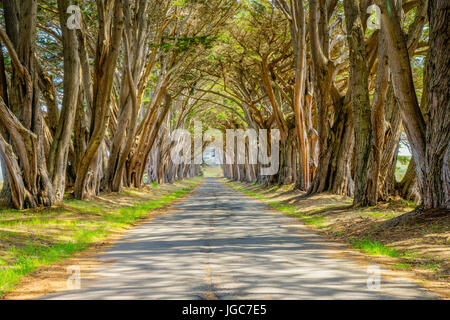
{"x":184,"y":44}
{"x":375,"y":248}
{"x":402,"y":266}
{"x":404,"y":160}
{"x":402,"y":166}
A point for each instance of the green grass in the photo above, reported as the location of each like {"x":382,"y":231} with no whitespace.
{"x":433,"y":266}
{"x":376,"y":213}
{"x":287,"y":208}
{"x":402,"y":266}
{"x":375,"y":248}
{"x":409,"y":259}
{"x":129,"y":215}
{"x":401,"y":166}
{"x":29,"y":258}
{"x":316,"y":221}
{"x":37,"y":248}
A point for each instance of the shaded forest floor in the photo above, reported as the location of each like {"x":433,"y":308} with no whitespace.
{"x":420,"y":250}
{"x":32,"y":240}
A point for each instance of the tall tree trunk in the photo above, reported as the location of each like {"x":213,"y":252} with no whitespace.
{"x":5,"y":193}
{"x":296,"y":16}
{"x":391,"y":145}
{"x":429,"y":141}
{"x":334,"y":165}
{"x":57,"y":162}
{"x":139,"y":159}
{"x":108,"y":46}
{"x":378,"y":127}
{"x":336,"y":140}
{"x":436,"y":189}
{"x":408,"y":185}
{"x":359,"y":87}
{"x":403,"y":84}
{"x":24,"y":158}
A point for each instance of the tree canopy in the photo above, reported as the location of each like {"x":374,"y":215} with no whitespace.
{"x":91,"y":109}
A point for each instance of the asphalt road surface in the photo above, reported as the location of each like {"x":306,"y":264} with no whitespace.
{"x":221,"y":244}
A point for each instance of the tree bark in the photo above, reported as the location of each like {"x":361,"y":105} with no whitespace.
{"x":336,"y":139}
{"x":25,"y":157}
{"x":359,"y":87}
{"x":403,"y":85}
{"x":436,"y":189}
{"x":57,"y":162}
{"x":108,"y":46}
{"x":429,"y":140}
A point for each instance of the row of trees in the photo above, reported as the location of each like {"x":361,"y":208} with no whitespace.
{"x":92,"y":109}
{"x":344,"y":94}
{"x":84,"y":108}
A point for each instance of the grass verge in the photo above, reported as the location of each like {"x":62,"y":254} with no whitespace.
{"x":375,"y":248}
{"x":287,"y":208}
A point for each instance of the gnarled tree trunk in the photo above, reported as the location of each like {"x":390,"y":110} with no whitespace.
{"x":359,"y":88}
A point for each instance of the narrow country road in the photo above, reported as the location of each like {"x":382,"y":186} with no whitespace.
{"x":220,"y":244}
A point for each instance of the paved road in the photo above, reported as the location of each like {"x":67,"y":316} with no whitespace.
{"x":220,"y":244}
